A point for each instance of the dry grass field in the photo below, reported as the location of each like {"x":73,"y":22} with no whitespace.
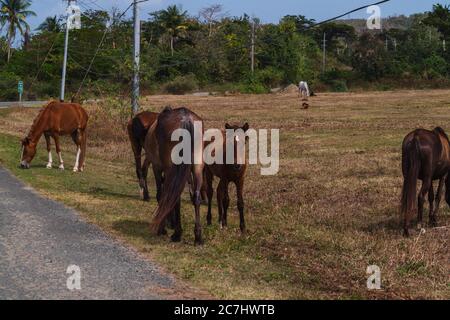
{"x":331,"y":211}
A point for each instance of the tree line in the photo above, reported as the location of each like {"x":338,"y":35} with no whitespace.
{"x":213,"y":51}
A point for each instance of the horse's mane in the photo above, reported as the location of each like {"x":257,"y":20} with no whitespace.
{"x":37,"y":118}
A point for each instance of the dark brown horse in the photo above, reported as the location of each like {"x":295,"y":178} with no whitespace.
{"x":227,"y":173}
{"x":137,"y":131}
{"x":158,"y":148}
{"x":425,"y":156}
{"x":54,"y":120}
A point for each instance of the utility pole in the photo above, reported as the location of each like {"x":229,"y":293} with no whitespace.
{"x":73,"y":22}
{"x":136,"y":57}
{"x":66,"y":46}
{"x":253,"y":47}
{"x":324,"y":62}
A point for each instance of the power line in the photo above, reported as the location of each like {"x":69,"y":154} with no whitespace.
{"x":347,"y":13}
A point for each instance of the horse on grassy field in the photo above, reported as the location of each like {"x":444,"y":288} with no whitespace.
{"x":54,"y":120}
{"x":137,"y":131}
{"x":227,"y":173}
{"x":158,"y":148}
{"x":425,"y":156}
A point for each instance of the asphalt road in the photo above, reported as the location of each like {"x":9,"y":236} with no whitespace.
{"x":40,"y":239}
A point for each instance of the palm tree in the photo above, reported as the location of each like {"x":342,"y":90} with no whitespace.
{"x":173,"y":20}
{"x":50,"y":24}
{"x":13,"y":14}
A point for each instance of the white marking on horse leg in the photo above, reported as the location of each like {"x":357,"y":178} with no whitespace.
{"x":75,"y":168}
{"x":50,"y":160}
{"x":61,"y":162}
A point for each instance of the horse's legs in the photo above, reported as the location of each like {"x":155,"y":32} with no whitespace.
{"x":76,"y":137}
{"x":426,"y":185}
{"x":198,"y":182}
{"x":159,"y":182}
{"x":240,"y":204}
{"x":226,"y":204}
{"x":143,"y":178}
{"x":49,"y":145}
{"x":439,"y":192}
{"x":209,"y":193}
{"x":176,"y":237}
{"x":430,"y":200}
{"x":58,"y":151}
{"x":83,"y":139}
{"x":220,"y":195}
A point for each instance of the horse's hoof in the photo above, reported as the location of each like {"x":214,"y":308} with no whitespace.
{"x":49,"y":166}
{"x":61,"y":167}
{"x":198,"y":242}
{"x":75,"y":169}
{"x":419,"y":226}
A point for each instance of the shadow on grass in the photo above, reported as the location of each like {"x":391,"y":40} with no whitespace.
{"x":134,"y":228}
{"x":98,"y":191}
{"x":388,"y":224}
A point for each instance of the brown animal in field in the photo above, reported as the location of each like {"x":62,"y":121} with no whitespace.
{"x":54,"y":120}
{"x":137,"y":131}
{"x":158,"y":148}
{"x":425,"y":156}
{"x":227,"y":173}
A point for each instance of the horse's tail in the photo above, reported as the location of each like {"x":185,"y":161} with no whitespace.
{"x":174,"y":183}
{"x":411,"y":168}
{"x":136,"y":133}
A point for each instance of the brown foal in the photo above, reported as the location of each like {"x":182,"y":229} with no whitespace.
{"x":227,"y":173}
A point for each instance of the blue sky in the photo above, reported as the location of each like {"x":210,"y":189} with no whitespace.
{"x":267,"y":10}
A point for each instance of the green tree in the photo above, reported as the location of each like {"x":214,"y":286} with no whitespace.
{"x":50,"y":24}
{"x":13,"y":15}
{"x":173,"y":20}
{"x":440,"y":19}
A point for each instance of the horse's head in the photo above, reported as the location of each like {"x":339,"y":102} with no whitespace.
{"x":239,"y":145}
{"x":28,"y":153}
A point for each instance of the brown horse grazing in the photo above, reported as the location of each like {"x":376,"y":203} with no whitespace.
{"x":54,"y":120}
{"x":158,"y":147}
{"x":425,"y":156}
{"x":226,"y":173}
{"x":137,"y":131}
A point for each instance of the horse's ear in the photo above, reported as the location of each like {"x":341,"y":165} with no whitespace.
{"x":227,"y":126}
{"x":245,"y":127}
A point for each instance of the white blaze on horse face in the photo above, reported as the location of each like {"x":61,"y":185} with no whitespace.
{"x":235,"y":143}
{"x":21,"y":154}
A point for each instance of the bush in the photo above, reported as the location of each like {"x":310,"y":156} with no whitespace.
{"x":339,"y":86}
{"x":182,"y":85}
{"x":269,"y":77}
{"x":251,"y":87}
{"x":8,"y":86}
